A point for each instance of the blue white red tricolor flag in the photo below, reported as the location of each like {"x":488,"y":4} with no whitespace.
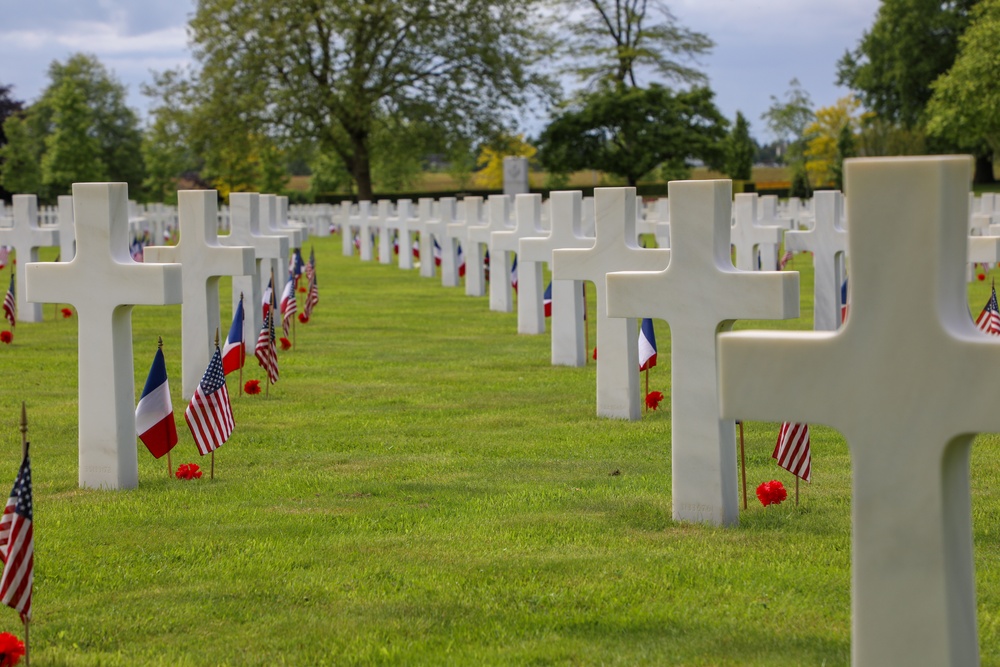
{"x":437,"y":253}
{"x":10,"y":302}
{"x":461,"y":262}
{"x":844,"y":303}
{"x":792,"y":450}
{"x":513,"y":274}
{"x":547,"y":300}
{"x":988,"y":320}
{"x":233,"y":352}
{"x":4,"y":255}
{"x":647,"y":345}
{"x":17,"y":544}
{"x":295,"y":264}
{"x":154,"y":416}
{"x":265,"y":303}
{"x":209,"y":414}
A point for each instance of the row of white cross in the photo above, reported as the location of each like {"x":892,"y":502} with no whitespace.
{"x":906,"y":380}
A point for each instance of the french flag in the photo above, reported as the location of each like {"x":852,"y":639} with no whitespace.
{"x":461,"y":262}
{"x":647,"y":345}
{"x":437,"y":253}
{"x":513,"y":274}
{"x":265,"y":303}
{"x":154,"y":416}
{"x":843,"y":302}
{"x":234,"y":354}
{"x":547,"y":300}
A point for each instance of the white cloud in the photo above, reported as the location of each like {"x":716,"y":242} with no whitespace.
{"x":98,"y":38}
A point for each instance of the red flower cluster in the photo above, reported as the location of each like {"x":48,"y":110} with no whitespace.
{"x":11,"y":650}
{"x":66,"y":312}
{"x":252,"y":387}
{"x":6,"y":337}
{"x":981,"y":276}
{"x":595,"y":354}
{"x":771,"y":493}
{"x":285,"y":343}
{"x":303,"y":318}
{"x":188,"y":471}
{"x":302,"y":290}
{"x":653,"y":399}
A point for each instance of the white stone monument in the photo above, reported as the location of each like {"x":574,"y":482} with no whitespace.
{"x":245,"y":231}
{"x":477,"y":233}
{"x":497,"y":220}
{"x":103,"y":283}
{"x":203,"y":260}
{"x":440,"y":215}
{"x":699,"y":294}
{"x":26,"y":237}
{"x":616,"y":248}
{"x":827,"y":240}
{"x":909,"y":381}
{"x":515,"y":175}
{"x":384,"y":210}
{"x":565,"y":231}
{"x":751,"y":239}
{"x":527,"y":224}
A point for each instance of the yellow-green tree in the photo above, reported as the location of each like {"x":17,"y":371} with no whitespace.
{"x":822,"y":156}
{"x":491,"y":157}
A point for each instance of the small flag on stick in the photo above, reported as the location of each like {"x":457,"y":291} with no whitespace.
{"x":209,"y":414}
{"x":10,"y":303}
{"x":154,"y":416}
{"x":792,"y":450}
{"x":547,"y":300}
{"x":988,"y":320}
{"x":234,"y":353}
{"x":647,"y":345}
{"x":17,"y":544}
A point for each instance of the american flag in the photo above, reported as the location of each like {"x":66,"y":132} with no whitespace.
{"x":4,"y":255}
{"x":209,"y":415}
{"x":312,"y":298}
{"x":295,"y":264}
{"x":265,"y":351}
{"x":17,"y":544}
{"x":311,"y":265}
{"x":288,"y":304}
{"x":785,"y":259}
{"x":988,"y":321}
{"x":10,"y":302}
{"x":792,"y":449}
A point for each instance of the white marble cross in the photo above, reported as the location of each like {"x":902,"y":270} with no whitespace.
{"x":527,"y":224}
{"x":403,"y":223}
{"x":909,"y":381}
{"x":440,"y":215}
{"x":565,"y":231}
{"x":827,"y":240}
{"x":67,"y":232}
{"x":749,"y":238}
{"x":367,"y":224}
{"x":615,"y":248}
{"x":475,"y":278}
{"x":422,"y":225}
{"x":699,"y":294}
{"x":244,"y":230}
{"x":271,"y":225}
{"x":26,"y":237}
{"x":383,"y":213}
{"x":497,"y":220}
{"x":103,"y":283}
{"x":203,"y":260}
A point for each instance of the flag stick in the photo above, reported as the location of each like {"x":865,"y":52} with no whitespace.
{"x":243,"y":348}
{"x":211,"y":473}
{"x":170,"y":466}
{"x":743,"y":465}
{"x":24,"y":452}
{"x":645,"y":404}
{"x":796,"y":490}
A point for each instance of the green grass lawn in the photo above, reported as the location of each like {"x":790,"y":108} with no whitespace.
{"x":423,"y":488}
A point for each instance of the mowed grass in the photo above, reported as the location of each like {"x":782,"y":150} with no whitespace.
{"x":422,"y":487}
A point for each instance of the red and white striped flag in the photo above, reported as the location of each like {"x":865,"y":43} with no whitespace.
{"x":4,"y":255}
{"x":265,"y":351}
{"x":209,"y":414}
{"x":785,"y":259}
{"x":17,"y":544}
{"x":10,"y":302}
{"x":988,"y":320}
{"x":288,"y":305}
{"x":312,"y":299}
{"x":792,"y":450}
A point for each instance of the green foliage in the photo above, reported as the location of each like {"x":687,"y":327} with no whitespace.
{"x":8,"y":107}
{"x":788,"y":120}
{"x":461,"y":163}
{"x":169,"y":137}
{"x":800,"y":186}
{"x":740,"y":150}
{"x":328,"y":174}
{"x":610,"y":39}
{"x":449,"y":503}
{"x":72,"y":153}
{"x":339,"y":75}
{"x":963,"y":109}
{"x":631,"y":131}
{"x":846,"y":148}
{"x":19,"y":158}
{"x":911,"y":43}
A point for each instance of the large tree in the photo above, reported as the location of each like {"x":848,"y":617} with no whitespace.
{"x":617,"y":40}
{"x":337,"y":72}
{"x":910,"y":44}
{"x":632,"y":131}
{"x":740,"y":150}
{"x":965,"y":106}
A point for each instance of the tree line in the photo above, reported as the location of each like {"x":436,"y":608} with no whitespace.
{"x":358,"y":95}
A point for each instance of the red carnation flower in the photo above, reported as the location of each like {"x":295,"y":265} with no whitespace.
{"x":188,"y":471}
{"x":303,"y":318}
{"x":302,"y":290}
{"x":653,"y":399}
{"x":11,"y":650}
{"x":595,"y":354}
{"x":252,"y":387}
{"x":6,"y":337}
{"x":981,"y":276}
{"x":285,"y":343}
{"x":66,"y":312}
{"x":771,"y":493}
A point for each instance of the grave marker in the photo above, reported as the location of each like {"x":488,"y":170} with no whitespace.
{"x":103,"y":283}
{"x":748,"y":235}
{"x":203,"y":260}
{"x":439,"y":217}
{"x":527,"y":224}
{"x":475,"y":278}
{"x":699,"y":294}
{"x":908,"y":381}
{"x":26,"y":237}
{"x":615,"y":248}
{"x":827,"y":241}
{"x":515,"y":175}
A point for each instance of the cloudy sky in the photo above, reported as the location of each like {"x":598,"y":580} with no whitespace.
{"x":760,"y":45}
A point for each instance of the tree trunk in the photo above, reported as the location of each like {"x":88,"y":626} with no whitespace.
{"x":984,"y":169}
{"x":361,"y":168}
